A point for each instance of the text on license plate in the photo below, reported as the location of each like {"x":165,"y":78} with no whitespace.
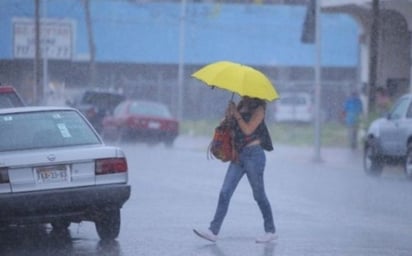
{"x":55,"y":173}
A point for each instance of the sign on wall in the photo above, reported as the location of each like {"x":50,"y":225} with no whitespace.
{"x":56,"y":38}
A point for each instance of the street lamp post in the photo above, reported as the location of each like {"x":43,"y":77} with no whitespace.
{"x":45,"y":61}
{"x":318,"y":86}
{"x":36,"y":65}
{"x":181,"y":60}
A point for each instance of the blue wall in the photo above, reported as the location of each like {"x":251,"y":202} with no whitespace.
{"x":149,"y":33}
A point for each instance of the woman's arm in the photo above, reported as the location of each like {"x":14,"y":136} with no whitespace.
{"x":249,"y":127}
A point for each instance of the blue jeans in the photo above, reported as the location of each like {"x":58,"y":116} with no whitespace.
{"x":252,"y":162}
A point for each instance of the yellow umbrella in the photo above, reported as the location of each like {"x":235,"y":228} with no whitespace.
{"x":241,"y":79}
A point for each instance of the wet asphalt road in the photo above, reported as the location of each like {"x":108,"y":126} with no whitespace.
{"x":328,"y":208}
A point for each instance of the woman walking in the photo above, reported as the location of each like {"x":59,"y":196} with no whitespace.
{"x":251,"y":139}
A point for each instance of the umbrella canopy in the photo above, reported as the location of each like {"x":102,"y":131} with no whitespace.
{"x":237,"y":78}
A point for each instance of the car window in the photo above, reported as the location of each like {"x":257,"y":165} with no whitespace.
{"x":293,"y":100}
{"x":399,"y":109}
{"x":120,"y":109}
{"x":43,"y":129}
{"x":102,"y":100}
{"x":409,"y":113}
{"x":149,"y":109}
{"x":8,"y":100}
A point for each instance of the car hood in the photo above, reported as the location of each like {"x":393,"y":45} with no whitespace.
{"x":375,"y":125}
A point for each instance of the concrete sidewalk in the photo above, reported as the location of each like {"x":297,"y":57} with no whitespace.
{"x":333,"y":157}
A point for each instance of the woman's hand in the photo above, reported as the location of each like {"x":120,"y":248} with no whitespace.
{"x":231,"y":109}
{"x":249,"y":127}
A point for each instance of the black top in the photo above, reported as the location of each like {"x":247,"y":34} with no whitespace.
{"x":261,"y":133}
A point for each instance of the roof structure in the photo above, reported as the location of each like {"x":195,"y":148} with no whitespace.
{"x":254,"y":34}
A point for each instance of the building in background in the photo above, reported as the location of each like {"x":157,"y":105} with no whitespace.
{"x":139,"y":47}
{"x":394,"y":41}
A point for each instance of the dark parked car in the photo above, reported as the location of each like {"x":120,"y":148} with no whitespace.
{"x":96,"y":104}
{"x":54,"y":168}
{"x":389,"y":139}
{"x":139,"y":120}
{"x":9,"y":97}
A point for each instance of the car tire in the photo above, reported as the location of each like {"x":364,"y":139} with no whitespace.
{"x":169,"y":143}
{"x":111,"y":134}
{"x":104,"y":137}
{"x":122,"y":135}
{"x":60,"y":225}
{"x":408,"y":162}
{"x":372,"y":162}
{"x":108,"y":224}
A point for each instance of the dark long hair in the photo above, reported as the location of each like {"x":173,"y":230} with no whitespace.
{"x":251,"y":103}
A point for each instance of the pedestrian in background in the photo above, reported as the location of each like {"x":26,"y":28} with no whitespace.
{"x":383,"y":101}
{"x":352,"y":112}
{"x":251,"y":139}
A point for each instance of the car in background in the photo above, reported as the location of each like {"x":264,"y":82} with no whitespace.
{"x":141,"y":120}
{"x":55,"y":168}
{"x":95,"y":104}
{"x":388,"y":139}
{"x":294,"y":107}
{"x":9,"y":97}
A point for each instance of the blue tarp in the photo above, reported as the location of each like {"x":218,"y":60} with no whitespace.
{"x":149,"y":32}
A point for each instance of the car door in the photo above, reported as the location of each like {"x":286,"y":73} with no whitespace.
{"x":392,"y":131}
{"x":405,"y":128}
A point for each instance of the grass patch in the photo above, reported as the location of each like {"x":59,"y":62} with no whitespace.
{"x":332,"y":134}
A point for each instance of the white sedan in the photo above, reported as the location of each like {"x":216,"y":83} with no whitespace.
{"x":54,"y":168}
{"x":294,"y":107}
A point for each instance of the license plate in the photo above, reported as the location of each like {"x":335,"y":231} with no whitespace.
{"x":154,"y":125}
{"x":53,"y":174}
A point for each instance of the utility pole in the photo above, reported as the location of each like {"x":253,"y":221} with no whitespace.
{"x":180,"y":77}
{"x":37,"y":90}
{"x":318,"y":82}
{"x":45,"y":62}
{"x":92,"y":46}
{"x":373,"y":55}
{"x":311,"y":34}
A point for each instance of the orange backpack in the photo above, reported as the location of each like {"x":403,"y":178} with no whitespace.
{"x":222,"y":145}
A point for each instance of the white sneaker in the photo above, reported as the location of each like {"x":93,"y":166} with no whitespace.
{"x":266,"y":238}
{"x":206,"y":234}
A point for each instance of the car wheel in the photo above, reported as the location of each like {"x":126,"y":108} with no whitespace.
{"x":372,"y":162}
{"x":106,"y":136}
{"x":119,"y":135}
{"x":122,"y":135}
{"x":60,"y":225}
{"x":408,"y":162}
{"x":169,"y":143}
{"x":108,"y":224}
{"x":109,"y":134}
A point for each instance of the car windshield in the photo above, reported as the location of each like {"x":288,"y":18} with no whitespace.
{"x":150,"y":109}
{"x":44,"y":129}
{"x":293,"y":100}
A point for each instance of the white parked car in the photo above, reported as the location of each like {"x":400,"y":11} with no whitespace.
{"x":294,"y":107}
{"x":54,"y":168}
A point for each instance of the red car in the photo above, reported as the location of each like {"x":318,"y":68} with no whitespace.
{"x":141,"y":120}
{"x":9,"y":98}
